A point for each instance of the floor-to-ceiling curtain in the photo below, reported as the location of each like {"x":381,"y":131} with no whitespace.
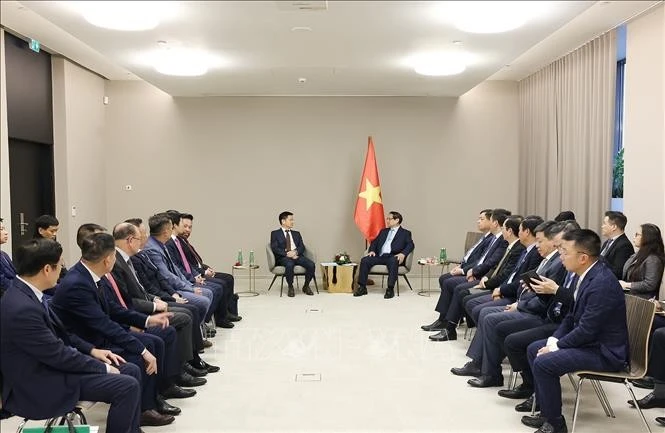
{"x":566,"y":134}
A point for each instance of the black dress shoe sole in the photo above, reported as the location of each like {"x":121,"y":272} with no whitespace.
{"x":433,"y":329}
{"x":464,"y":372}
{"x":651,"y":403}
{"x":199,"y":381}
{"x":170,"y":411}
{"x":514,"y":394}
{"x":476,"y":383}
{"x":526,"y":407}
{"x":660,"y":420}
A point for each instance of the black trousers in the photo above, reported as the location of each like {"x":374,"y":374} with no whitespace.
{"x":193,"y":311}
{"x":388,"y":260}
{"x":517,"y":335}
{"x":289,"y":264}
{"x":657,"y":355}
{"x":229,"y":290}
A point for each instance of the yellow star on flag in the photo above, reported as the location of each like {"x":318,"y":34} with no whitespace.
{"x":372,"y":194}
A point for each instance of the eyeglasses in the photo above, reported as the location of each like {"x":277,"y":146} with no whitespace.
{"x":390,"y":218}
{"x":638,"y":235}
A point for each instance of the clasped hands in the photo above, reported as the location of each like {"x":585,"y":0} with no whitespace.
{"x":293,"y":254}
{"x":399,"y":256}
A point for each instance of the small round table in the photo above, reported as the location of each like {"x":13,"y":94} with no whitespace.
{"x":251,"y":271}
{"x":428,"y":266}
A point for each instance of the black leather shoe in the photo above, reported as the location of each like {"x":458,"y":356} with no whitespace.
{"x":526,"y":405}
{"x":202,"y":365}
{"x":469,"y":369}
{"x":206,"y":344}
{"x":193,"y":371}
{"x":186,"y":379}
{"x":649,"y":402}
{"x":307,"y":291}
{"x":445,"y":335}
{"x":291,"y":293}
{"x":389,"y":294}
{"x":549,"y":428}
{"x":154,"y":418}
{"x":522,"y":391}
{"x":535,"y":421}
{"x":485,"y":381}
{"x":233,"y":318}
{"x":174,"y":391}
{"x":225,"y":324}
{"x":437,"y":325}
{"x":661,"y":420}
{"x":360,"y":291}
{"x":166,"y":409}
{"x":644,"y":383}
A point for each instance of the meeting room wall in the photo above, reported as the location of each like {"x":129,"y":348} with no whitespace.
{"x":644,"y":123}
{"x":236,"y":162}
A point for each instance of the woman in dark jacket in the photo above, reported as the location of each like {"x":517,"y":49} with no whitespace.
{"x":643,"y":270}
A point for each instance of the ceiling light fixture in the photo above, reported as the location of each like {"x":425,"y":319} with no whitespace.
{"x":490,"y":16}
{"x":183,"y":62}
{"x":126,"y":16}
{"x":439,"y":64}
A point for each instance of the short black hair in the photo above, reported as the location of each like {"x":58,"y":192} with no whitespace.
{"x":44,"y":222}
{"x":512,"y":223}
{"x":565,"y":215}
{"x":158,"y":221}
{"x":33,"y":255}
{"x":499,"y":215}
{"x":174,"y":215}
{"x":617,"y":218}
{"x":86,"y":230}
{"x":487,"y":212}
{"x":284,"y":215}
{"x":396,"y":215}
{"x":97,"y":246}
{"x":546,"y":228}
{"x":124,"y":230}
{"x":135,"y":221}
{"x":586,"y":241}
{"x":530,"y":223}
{"x":564,"y":226}
{"x":187,"y":216}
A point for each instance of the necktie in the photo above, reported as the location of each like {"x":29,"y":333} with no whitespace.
{"x":606,"y":248}
{"x":487,"y":250}
{"x":541,"y":266}
{"x":517,"y":267}
{"x":569,"y":278}
{"x":54,"y":320}
{"x":193,"y":250}
{"x":498,"y":267}
{"x":182,"y":256}
{"x":468,"y":253}
{"x":114,"y":284}
{"x":288,"y":240}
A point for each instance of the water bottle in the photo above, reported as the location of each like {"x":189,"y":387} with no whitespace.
{"x":251,"y":258}
{"x":443,"y":256}
{"x":239,"y":261}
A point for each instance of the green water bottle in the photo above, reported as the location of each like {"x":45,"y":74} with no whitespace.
{"x":251,"y":258}
{"x":239,"y":261}
{"x":442,"y":255}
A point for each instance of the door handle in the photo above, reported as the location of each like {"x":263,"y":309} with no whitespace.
{"x":22,"y":224}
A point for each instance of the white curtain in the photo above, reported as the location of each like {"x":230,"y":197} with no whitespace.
{"x":566,"y":134}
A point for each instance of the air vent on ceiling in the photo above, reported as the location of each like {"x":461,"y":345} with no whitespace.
{"x":303,"y":5}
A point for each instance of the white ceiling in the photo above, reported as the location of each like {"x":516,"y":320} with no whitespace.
{"x":354,"y":48}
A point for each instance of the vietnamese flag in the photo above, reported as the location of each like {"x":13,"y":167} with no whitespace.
{"x":369,"y":206}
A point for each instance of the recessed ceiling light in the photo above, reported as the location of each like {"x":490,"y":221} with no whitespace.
{"x":301,"y":29}
{"x":439,"y":64}
{"x":183,"y":62}
{"x":125,"y":15}
{"x":490,"y":16}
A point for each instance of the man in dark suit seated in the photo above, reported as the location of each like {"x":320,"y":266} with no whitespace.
{"x":87,"y":309}
{"x":593,"y":336}
{"x":288,"y":247}
{"x":616,"y":250}
{"x":195,"y":260}
{"x":455,"y":288}
{"x":7,"y":270}
{"x":45,"y":369}
{"x":656,"y":370}
{"x":389,"y":248}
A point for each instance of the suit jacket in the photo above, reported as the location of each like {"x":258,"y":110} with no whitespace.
{"x":93,"y":314}
{"x":477,"y":253}
{"x":401,"y":243}
{"x":40,"y":368}
{"x":644,"y":279}
{"x":493,"y":256}
{"x":157,"y":254}
{"x":620,"y":250}
{"x":193,"y":257}
{"x":7,"y":272}
{"x":598,"y":317}
{"x":561,"y":301}
{"x":278,"y":243}
{"x":132,"y":293}
{"x":179,"y":262}
{"x":507,"y":267}
{"x":530,"y":262}
{"x":151,"y":279}
{"x":533,"y":303}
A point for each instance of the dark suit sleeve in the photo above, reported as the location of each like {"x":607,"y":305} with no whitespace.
{"x":80,"y":344}
{"x":31,"y":333}
{"x":566,"y":325}
{"x":620,"y":256}
{"x":300,"y":245}
{"x":492,"y":259}
{"x":123,"y":315}
{"x":409,"y":245}
{"x":507,"y":268}
{"x":375,"y":245}
{"x":278,"y":244}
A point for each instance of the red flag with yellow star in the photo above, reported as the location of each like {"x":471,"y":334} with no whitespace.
{"x":369,"y":206}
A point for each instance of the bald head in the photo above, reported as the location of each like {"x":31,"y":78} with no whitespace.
{"x":127,"y":237}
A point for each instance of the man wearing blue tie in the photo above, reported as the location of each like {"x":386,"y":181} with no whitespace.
{"x":389,"y":248}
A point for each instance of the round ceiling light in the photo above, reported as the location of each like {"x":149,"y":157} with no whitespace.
{"x":126,"y":16}
{"x":183,"y":62}
{"x":490,"y":16}
{"x":439,"y":64}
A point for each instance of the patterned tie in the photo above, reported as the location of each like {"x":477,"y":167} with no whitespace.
{"x":606,"y":247}
{"x":569,"y":278}
{"x":288,"y":241}
{"x":498,"y":267}
{"x":114,"y":284}
{"x":182,"y":256}
{"x":487,"y":250}
{"x":541,"y":266}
